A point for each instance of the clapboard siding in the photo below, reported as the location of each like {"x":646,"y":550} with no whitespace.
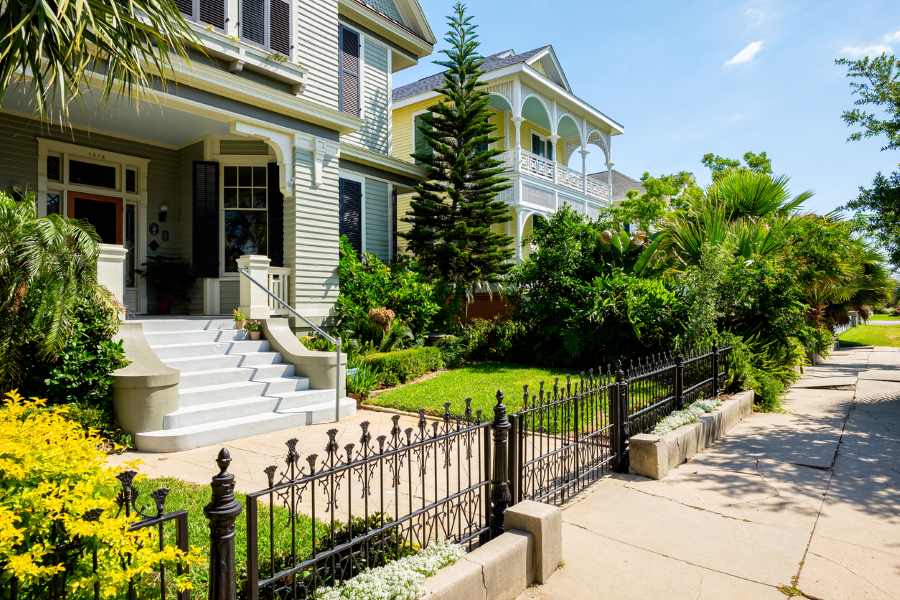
{"x":403,"y":208}
{"x":315,"y":219}
{"x":377,"y":204}
{"x":317,"y":49}
{"x":375,"y":91}
{"x":229,"y":295}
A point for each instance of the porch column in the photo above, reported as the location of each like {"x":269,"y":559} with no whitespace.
{"x":584,"y":154}
{"x":518,"y":236}
{"x":254,"y":300}
{"x":554,"y":139}
{"x":111,"y":270}
{"x":517,"y":123}
{"x":609,"y":180}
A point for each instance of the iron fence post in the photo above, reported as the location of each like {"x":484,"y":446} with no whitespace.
{"x":679,"y":382}
{"x":513,"y":469}
{"x":715,"y":369}
{"x":222,"y":512}
{"x":500,"y":496}
{"x":618,"y":417}
{"x":622,"y":398}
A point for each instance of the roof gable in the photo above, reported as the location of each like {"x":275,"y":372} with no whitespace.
{"x":546,"y":62}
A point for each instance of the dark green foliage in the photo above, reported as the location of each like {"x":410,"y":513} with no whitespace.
{"x":582,"y":304}
{"x":878,"y":210}
{"x":483,"y":340}
{"x":875,"y":81}
{"x":401,"y":366}
{"x":368,"y":283}
{"x":456,"y":205}
{"x":719,"y":165}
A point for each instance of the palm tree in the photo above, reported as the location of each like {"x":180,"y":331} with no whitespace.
{"x":47,"y":264}
{"x":58,"y":44}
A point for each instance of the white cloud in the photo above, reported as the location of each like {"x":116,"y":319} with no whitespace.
{"x":892,"y":37}
{"x":860,"y":51}
{"x":746,"y":54}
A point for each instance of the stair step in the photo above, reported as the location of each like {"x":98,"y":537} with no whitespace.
{"x":242,"y":407}
{"x":220,"y":393}
{"x":164,"y":338}
{"x":187,"y":349}
{"x":193,"y":436}
{"x":192,"y":364}
{"x":185,"y":324}
{"x":253,"y":359}
{"x":200,"y":378}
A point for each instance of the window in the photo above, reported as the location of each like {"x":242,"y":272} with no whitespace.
{"x":131,"y":181}
{"x":54,"y":167}
{"x":94,"y":174}
{"x":54,"y":203}
{"x":211,"y":12}
{"x":421,"y":143}
{"x":351,"y":212}
{"x":245,"y":192}
{"x":541,"y":146}
{"x":349,"y":71}
{"x":267,"y":23}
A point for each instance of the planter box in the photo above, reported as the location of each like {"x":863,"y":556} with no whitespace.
{"x":653,"y":455}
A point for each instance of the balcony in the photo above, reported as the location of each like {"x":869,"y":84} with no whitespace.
{"x":560,"y":176}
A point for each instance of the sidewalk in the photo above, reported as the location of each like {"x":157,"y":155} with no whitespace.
{"x":807,"y":501}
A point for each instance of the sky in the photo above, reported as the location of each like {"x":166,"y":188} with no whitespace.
{"x":687,"y":78}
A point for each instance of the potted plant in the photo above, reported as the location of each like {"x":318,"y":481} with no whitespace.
{"x":240,"y":319}
{"x":254,"y":329}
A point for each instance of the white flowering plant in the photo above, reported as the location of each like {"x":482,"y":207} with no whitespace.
{"x":691,"y":414}
{"x":403,"y":579}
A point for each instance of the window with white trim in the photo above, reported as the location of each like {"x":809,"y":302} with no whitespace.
{"x":244,"y":200}
{"x":210,"y":12}
{"x":541,"y":146}
{"x":350,"y":99}
{"x":267,"y":23}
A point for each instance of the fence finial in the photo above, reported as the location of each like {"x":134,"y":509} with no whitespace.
{"x":222,"y":511}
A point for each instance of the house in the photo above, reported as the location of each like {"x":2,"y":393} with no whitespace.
{"x":273,"y":138}
{"x":621,"y":184}
{"x":545,"y":131}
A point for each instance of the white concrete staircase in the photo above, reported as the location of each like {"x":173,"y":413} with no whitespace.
{"x":231,"y":387}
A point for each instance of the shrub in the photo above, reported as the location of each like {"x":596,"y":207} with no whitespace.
{"x":484,"y":340}
{"x":401,"y":366}
{"x":363,"y":381}
{"x":58,"y":505}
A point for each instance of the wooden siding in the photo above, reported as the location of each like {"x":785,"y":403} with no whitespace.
{"x":314,"y":216}
{"x":229,"y":295}
{"x":317,"y":49}
{"x":375,"y":91}
{"x":377,"y":216}
{"x":402,"y":129}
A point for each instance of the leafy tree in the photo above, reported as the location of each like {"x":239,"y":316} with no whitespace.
{"x":61,"y":43}
{"x":660,"y":195}
{"x":878,"y":209}
{"x":456,"y":206}
{"x":719,"y":165}
{"x":875,"y":81}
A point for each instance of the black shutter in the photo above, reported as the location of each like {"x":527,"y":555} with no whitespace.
{"x":276,"y":217}
{"x":206,"y":219}
{"x":549,"y":150}
{"x":213,"y":12}
{"x":349,"y":71}
{"x":253,"y":20}
{"x":351,"y":212}
{"x":280,"y":26}
{"x":186,"y":7}
{"x":394,"y":218}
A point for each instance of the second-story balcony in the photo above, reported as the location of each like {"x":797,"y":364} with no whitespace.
{"x":550,"y":171}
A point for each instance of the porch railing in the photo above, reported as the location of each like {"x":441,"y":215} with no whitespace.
{"x":549,"y":170}
{"x":532,"y":164}
{"x":279,"y":282}
{"x":569,"y":178}
{"x":597,"y":188}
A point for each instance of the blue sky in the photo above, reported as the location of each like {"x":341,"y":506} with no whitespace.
{"x":703,"y":76}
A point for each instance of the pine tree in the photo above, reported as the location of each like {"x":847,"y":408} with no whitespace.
{"x":456,"y":204}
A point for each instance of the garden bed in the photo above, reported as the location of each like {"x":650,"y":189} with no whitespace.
{"x":654,"y":455}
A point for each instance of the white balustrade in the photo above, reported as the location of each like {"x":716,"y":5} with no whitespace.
{"x":597,"y":188}
{"x":279,"y":283}
{"x":537,"y":166}
{"x":569,"y":178}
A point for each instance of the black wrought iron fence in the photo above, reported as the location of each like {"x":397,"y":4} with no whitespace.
{"x":147,"y":514}
{"x":363,"y":504}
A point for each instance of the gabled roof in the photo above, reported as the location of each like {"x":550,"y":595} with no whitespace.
{"x":493,"y":62}
{"x":621,"y":182}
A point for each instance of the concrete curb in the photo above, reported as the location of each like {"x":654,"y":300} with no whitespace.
{"x":654,"y":455}
{"x":528,"y":552}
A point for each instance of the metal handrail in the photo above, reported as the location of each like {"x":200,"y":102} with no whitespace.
{"x":334,"y":340}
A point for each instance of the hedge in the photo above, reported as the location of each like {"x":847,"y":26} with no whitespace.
{"x":402,"y":365}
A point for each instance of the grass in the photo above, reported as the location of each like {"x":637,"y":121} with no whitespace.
{"x":872,"y":335}
{"x":479,"y":382}
{"x":884,"y":318}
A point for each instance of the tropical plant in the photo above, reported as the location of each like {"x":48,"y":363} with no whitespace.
{"x":48,"y":265}
{"x":455,"y":207}
{"x":58,"y":48}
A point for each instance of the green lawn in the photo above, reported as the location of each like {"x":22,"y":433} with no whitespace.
{"x":884,"y":318}
{"x":872,"y":335}
{"x":479,"y":382}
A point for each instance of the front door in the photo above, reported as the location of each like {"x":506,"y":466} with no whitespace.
{"x":105,"y":213}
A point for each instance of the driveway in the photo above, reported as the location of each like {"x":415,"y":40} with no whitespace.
{"x":805,"y":502}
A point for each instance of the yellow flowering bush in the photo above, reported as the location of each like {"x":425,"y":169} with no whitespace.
{"x":58,"y":507}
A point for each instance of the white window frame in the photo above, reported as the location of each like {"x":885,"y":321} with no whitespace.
{"x":237,"y":161}
{"x":415,"y":129}
{"x":267,"y":24}
{"x":361,"y":179}
{"x":194,"y":17}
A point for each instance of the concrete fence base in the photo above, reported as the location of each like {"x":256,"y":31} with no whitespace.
{"x":529,"y":552}
{"x":653,"y":455}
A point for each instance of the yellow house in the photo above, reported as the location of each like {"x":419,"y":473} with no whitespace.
{"x":545,"y":130}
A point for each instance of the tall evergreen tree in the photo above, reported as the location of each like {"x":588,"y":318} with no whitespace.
{"x":456,"y":205}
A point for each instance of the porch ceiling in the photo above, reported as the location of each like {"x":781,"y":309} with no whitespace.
{"x":144,"y":120}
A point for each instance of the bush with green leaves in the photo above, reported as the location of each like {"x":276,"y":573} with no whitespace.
{"x":497,"y":340}
{"x":367,"y":283}
{"x":400,"y":366}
